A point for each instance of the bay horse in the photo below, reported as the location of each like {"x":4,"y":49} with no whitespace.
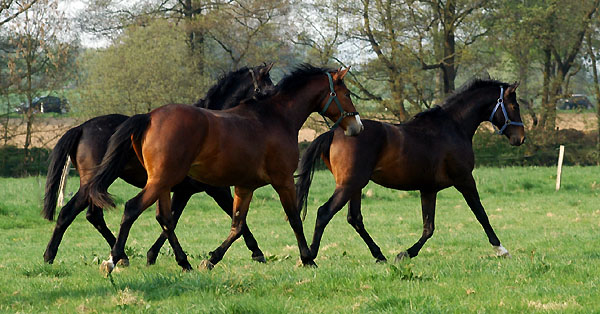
{"x":87,"y":143}
{"x":429,"y":153}
{"x":249,"y":146}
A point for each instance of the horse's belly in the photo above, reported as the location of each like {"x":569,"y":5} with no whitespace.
{"x":409,"y":178}
{"x":218,"y":174}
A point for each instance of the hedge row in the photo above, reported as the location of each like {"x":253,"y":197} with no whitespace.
{"x":540,"y":149}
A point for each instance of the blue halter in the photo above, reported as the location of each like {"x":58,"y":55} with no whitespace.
{"x":507,"y":121}
{"x":333,"y":97}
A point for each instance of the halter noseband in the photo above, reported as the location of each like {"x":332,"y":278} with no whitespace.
{"x":332,"y":97}
{"x":507,"y":121}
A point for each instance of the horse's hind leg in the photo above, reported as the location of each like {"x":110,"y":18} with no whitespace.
{"x":133,"y":208}
{"x":180,"y":199}
{"x":355,"y":219}
{"x":95,"y":216}
{"x":469,"y":191}
{"x":428,"y":200}
{"x":223,"y":198}
{"x":66,"y":216}
{"x":165,"y":218}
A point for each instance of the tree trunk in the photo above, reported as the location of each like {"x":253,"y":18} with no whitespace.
{"x":397,"y":91}
{"x":546,"y":106}
{"x":596,"y":91}
{"x":448,"y":63}
{"x":195,"y":37}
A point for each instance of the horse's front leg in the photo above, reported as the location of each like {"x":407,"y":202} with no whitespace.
{"x":223,"y":197}
{"x":428,"y":200}
{"x":287,"y":196}
{"x":241,"y":203}
{"x":469,"y":191}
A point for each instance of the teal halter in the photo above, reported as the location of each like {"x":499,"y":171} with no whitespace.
{"x":333,"y":97}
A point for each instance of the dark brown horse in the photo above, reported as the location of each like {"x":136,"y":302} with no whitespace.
{"x":87,"y":143}
{"x":249,"y":146}
{"x":429,"y":153}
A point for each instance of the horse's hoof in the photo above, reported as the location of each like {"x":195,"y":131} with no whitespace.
{"x":187,"y":268}
{"x":206,"y":265}
{"x":310,"y":264}
{"x":381,"y":260}
{"x":123,"y":262}
{"x":402,"y":256}
{"x":151,"y":259}
{"x":107,"y":267}
{"x":501,"y":251}
{"x":260,"y":258}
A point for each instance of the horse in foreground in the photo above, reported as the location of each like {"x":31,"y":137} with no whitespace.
{"x":429,"y":153}
{"x":87,"y":143}
{"x":249,"y":146}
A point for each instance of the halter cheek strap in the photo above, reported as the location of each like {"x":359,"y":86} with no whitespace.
{"x":507,"y":121}
{"x":256,"y":88}
{"x":333,"y":97}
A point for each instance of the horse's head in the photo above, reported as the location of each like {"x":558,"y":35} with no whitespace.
{"x":506,"y":116}
{"x":261,"y":79}
{"x":338,"y":106}
{"x":237,"y":86}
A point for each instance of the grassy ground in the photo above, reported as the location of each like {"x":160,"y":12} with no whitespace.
{"x":552,"y":236}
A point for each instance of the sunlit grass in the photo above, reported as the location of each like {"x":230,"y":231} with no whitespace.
{"x":552,"y":236}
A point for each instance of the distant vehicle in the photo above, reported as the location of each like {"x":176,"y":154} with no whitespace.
{"x":576,"y":101}
{"x":46,"y":104}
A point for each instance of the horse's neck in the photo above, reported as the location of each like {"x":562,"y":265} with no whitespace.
{"x":222,"y":99}
{"x":295,"y":108}
{"x":470,"y":114}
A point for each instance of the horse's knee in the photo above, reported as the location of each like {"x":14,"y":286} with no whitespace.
{"x":91,"y":216}
{"x":355,"y":222}
{"x":428,"y":232}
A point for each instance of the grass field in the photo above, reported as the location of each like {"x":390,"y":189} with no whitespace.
{"x":554,"y":239}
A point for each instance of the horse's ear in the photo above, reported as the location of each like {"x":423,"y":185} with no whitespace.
{"x":264,"y":71}
{"x":341,"y":73}
{"x":512,"y":88}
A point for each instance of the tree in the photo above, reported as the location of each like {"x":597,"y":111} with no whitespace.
{"x":567,"y":26}
{"x":248,"y":32}
{"x":10,"y":9}
{"x":592,"y":51}
{"x":156,"y":71}
{"x":445,"y":20}
{"x":40,"y":53}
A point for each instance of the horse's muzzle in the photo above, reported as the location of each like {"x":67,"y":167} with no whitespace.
{"x":355,"y":127}
{"x":517,"y":140}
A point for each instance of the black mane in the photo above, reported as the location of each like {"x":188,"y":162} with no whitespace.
{"x":458,"y":95}
{"x":300,"y":76}
{"x":221,"y":88}
{"x":296,"y":79}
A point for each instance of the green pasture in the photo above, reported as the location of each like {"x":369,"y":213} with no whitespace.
{"x":554,"y":239}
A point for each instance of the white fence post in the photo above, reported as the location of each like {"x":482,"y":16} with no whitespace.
{"x":561,"y":153}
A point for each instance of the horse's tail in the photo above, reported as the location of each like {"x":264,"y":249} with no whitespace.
{"x":306,"y":168}
{"x":65,"y":146}
{"x":116,"y":157}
